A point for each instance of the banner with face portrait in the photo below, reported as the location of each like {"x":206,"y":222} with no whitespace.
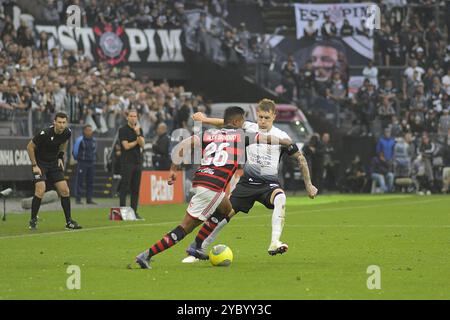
{"x":355,"y":13}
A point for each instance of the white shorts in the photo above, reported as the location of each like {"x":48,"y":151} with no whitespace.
{"x":204,"y":203}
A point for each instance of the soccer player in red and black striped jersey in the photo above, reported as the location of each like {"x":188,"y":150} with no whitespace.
{"x":222,"y":151}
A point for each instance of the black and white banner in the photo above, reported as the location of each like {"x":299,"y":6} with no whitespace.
{"x":338,"y":12}
{"x":116,"y":44}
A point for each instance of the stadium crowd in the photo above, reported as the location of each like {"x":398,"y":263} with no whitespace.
{"x":38,"y":79}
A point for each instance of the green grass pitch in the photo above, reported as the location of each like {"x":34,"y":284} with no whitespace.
{"x":332,"y":241}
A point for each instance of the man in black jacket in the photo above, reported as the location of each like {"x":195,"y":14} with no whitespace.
{"x":161,"y":156}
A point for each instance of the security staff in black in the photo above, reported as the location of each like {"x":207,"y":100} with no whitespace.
{"x":46,"y":152}
{"x":131,"y":141}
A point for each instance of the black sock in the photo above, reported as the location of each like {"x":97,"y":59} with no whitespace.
{"x":65,"y":203}
{"x":35,"y":205}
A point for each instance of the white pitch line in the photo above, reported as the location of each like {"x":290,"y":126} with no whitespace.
{"x":348,"y":226}
{"x":241,"y":217}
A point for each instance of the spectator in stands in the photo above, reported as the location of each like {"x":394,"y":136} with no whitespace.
{"x":427,"y":150}
{"x":417,"y":109}
{"x":388,"y":91}
{"x":347,"y":30}
{"x":382,"y":173}
{"x":396,"y":53}
{"x":355,"y":176}
{"x":362,"y":29}
{"x":436,"y":97}
{"x":310,"y":31}
{"x":386,"y":145}
{"x":446,"y":164}
{"x":414,"y":67}
{"x":228,"y":46}
{"x":244,"y":36}
{"x":50,"y":13}
{"x":371,"y":72}
{"x":337,"y":93}
{"x":184,"y":115}
{"x":366,"y":102}
{"x":431,"y":121}
{"x":306,"y":80}
{"x":329,"y":163}
{"x":434,"y":38}
{"x":289,"y":72}
{"x":328,"y":29}
{"x":25,"y":36}
{"x":73,"y":106}
{"x":444,"y":123}
{"x":402,"y":157}
{"x":386,"y":112}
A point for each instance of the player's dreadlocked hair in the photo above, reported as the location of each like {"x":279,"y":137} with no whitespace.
{"x":267,"y":105}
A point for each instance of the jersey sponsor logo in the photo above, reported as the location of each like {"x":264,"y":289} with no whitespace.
{"x":207,"y":171}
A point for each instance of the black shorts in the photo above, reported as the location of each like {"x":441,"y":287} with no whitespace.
{"x":51,"y":173}
{"x":245,"y":194}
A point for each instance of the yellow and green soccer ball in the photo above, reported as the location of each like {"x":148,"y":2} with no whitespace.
{"x":221,"y":255}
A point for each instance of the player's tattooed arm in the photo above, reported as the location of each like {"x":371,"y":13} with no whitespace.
{"x":303,"y":164}
{"x":31,"y":149}
{"x":200,"y":117}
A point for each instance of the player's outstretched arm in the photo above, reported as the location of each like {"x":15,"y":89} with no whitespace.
{"x":303,"y":164}
{"x":198,"y":116}
{"x":274,"y":140}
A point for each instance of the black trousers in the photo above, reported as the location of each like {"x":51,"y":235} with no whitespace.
{"x":131,"y":181}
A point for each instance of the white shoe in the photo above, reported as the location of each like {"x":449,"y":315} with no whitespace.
{"x":277,"y":248}
{"x":190,"y":259}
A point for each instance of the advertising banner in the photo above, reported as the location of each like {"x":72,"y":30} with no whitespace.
{"x":155,"y":189}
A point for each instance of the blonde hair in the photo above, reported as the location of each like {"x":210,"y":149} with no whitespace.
{"x":267,"y":105}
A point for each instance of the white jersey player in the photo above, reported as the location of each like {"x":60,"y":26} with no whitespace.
{"x":259,"y":183}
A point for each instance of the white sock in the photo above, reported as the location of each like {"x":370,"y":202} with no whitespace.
{"x":278,"y":216}
{"x":212,"y":237}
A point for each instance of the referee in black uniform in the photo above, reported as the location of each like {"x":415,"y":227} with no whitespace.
{"x":131,"y":141}
{"x":46,"y":152}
